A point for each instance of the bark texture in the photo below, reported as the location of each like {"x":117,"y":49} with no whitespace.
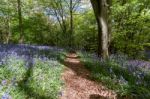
{"x":100,"y":8}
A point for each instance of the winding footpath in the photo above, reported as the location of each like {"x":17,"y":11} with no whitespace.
{"x":77,"y":82}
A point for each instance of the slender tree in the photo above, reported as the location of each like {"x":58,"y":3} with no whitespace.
{"x":20,"y":22}
{"x":71,"y":22}
{"x":57,"y":7}
{"x":64,"y":10}
{"x":9,"y":31}
{"x":72,"y":5}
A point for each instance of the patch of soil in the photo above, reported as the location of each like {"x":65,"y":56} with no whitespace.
{"x":77,"y":82}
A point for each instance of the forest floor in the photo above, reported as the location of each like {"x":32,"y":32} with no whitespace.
{"x":78,"y":84}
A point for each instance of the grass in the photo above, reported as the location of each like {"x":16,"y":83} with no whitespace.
{"x":41,"y":80}
{"x":119,"y":78}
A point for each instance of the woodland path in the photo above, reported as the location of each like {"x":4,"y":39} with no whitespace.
{"x":77,"y":82}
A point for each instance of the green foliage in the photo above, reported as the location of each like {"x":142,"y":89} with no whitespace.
{"x":42,"y":81}
{"x":86,"y":31}
{"x":130,"y":26}
{"x":42,"y":32}
{"x":147,"y":45}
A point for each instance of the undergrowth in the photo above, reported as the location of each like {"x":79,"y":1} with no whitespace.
{"x":35,"y":78}
{"x":116,"y":74}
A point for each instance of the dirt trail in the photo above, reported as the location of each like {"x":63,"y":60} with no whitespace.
{"x":77,"y":82}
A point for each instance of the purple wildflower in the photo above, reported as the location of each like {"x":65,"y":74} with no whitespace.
{"x":27,"y":52}
{"x":6,"y":96}
{"x":4,"y":82}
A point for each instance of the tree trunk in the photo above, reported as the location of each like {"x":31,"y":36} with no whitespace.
{"x":21,"y":39}
{"x":100,"y":8}
{"x":9,"y":31}
{"x":71,"y":23}
{"x":109,"y":26}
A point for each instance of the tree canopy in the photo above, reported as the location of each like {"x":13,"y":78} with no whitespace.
{"x":111,"y":26}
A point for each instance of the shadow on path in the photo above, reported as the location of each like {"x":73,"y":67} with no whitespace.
{"x":78,"y":84}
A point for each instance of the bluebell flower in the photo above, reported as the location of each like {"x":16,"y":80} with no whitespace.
{"x":6,"y":96}
{"x":4,"y":82}
{"x":141,"y":75}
